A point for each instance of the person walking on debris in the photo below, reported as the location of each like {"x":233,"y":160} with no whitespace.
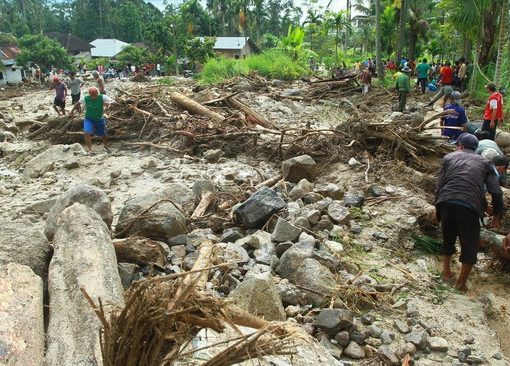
{"x":462,"y":74}
{"x":366,"y":80}
{"x":99,"y":81}
{"x":94,"y":122}
{"x":461,"y":202}
{"x":455,"y":119}
{"x":423,"y":71}
{"x":59,"y":103}
{"x":75,"y":86}
{"x":403,"y":86}
{"x":493,"y":114}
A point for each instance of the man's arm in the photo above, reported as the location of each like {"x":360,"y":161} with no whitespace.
{"x":65,"y":91}
{"x":75,"y":106}
{"x":497,"y":194}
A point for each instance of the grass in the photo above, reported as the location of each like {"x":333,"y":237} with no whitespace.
{"x":166,"y":81}
{"x":273,"y":64}
{"x":426,"y":244}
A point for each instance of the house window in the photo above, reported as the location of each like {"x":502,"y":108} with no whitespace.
{"x":1,"y":76}
{"x":236,"y":57}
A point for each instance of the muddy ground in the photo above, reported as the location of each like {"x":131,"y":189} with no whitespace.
{"x":128,"y":171}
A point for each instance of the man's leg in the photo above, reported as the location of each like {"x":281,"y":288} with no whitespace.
{"x":88,"y":141}
{"x":469,"y":236}
{"x":56,"y":109}
{"x":486,"y":126}
{"x":402,"y":101}
{"x":450,"y":233}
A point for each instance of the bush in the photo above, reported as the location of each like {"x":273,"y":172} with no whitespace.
{"x":217,"y":70}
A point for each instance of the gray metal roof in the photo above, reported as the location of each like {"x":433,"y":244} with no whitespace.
{"x":107,"y":47}
{"x":230,"y":43}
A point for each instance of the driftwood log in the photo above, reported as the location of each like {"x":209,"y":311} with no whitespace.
{"x":194,"y":107}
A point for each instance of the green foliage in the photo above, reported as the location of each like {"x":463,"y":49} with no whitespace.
{"x":42,"y":51}
{"x":199,"y":49}
{"x":293,"y":41}
{"x":166,"y":81}
{"x":426,"y":244}
{"x":8,"y":39}
{"x":273,"y":64}
{"x":94,"y":63}
{"x":269,"y":41}
{"x":135,"y":56}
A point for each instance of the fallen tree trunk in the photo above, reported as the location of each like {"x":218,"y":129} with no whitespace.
{"x":495,"y":242}
{"x":194,"y":107}
{"x":255,"y":116}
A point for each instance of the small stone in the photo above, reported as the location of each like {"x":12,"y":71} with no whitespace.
{"x":292,"y":310}
{"x":387,"y":337}
{"x":438,"y":344}
{"x":380,"y":236}
{"x":475,"y":360}
{"x":71,"y":164}
{"x":230,"y":235}
{"x":332,"y":321}
{"x":412,"y":311}
{"x":354,"y":199}
{"x":327,"y":260}
{"x":235,"y":253}
{"x":302,"y":222}
{"x":418,"y":337}
{"x":367,"y":319}
{"x":359,"y":337}
{"x":353,"y":162}
{"x":256,"y":210}
{"x":356,"y":229}
{"x":115,"y":173}
{"x":313,"y":216}
{"x":289,"y":293}
{"x":376,"y":191}
{"x":463,"y":353}
{"x":301,"y":189}
{"x":309,"y":328}
{"x":334,"y":246}
{"x":497,"y":356}
{"x":330,"y":190}
{"x":213,"y":156}
{"x":401,"y":326}
{"x":324,"y":224}
{"x":374,"y":342}
{"x":333,"y":349}
{"x":338,"y":212}
{"x":355,"y":351}
{"x":149,"y":163}
{"x":469,"y":340}
{"x":388,"y":356}
{"x":410,"y":348}
{"x":343,"y":338}
{"x":285,"y":231}
{"x":200,"y":187}
{"x":179,"y":250}
{"x":299,"y":167}
{"x":283,"y":247}
{"x":311,"y":197}
{"x":374,"y":331}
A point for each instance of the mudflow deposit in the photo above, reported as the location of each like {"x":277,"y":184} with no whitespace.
{"x":255,"y":222}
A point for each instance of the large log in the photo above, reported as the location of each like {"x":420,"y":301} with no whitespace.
{"x":194,"y":107}
{"x":495,"y":242}
{"x":84,"y":258}
{"x":255,"y":116}
{"x":21,"y":316}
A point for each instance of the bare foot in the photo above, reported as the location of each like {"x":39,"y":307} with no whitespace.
{"x":448,"y":277}
{"x":461,"y":287}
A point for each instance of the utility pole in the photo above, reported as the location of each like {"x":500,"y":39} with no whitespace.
{"x":175,"y":49}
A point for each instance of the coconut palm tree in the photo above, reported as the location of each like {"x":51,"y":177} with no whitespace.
{"x":378,"y":41}
{"x":503,"y":36}
{"x":337,"y":21}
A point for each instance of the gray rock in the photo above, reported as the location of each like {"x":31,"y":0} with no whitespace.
{"x":469,"y":340}
{"x":47,"y":160}
{"x":313,"y":216}
{"x":497,"y":356}
{"x":163,"y":222}
{"x":265,"y":253}
{"x":359,"y":337}
{"x":330,"y":190}
{"x":311,"y":197}
{"x":438,"y":344}
{"x":294,"y":210}
{"x":127,"y":273}
{"x":178,"y":240}
{"x":387,"y":337}
{"x":376,"y":191}
{"x":283,"y":247}
{"x":180,"y":194}
{"x":213,"y":155}
{"x":235,"y":253}
{"x":334,"y":246}
{"x":291,"y":92}
{"x":230,"y":235}
{"x":40,"y":207}
{"x":333,"y":321}
{"x":307,"y":240}
{"x":338,"y":212}
{"x":291,"y":260}
{"x":179,"y":251}
{"x":333,"y":349}
{"x":380,"y":236}
{"x":299,"y":167}
{"x":475,"y":360}
{"x":355,"y":351}
{"x":302,"y":222}
{"x":401,"y":326}
{"x":410,"y":348}
{"x":388,"y":356}
{"x":301,"y":189}
{"x":90,"y":196}
{"x":354,"y":199}
{"x":285,"y":231}
{"x":84,"y":257}
{"x":374,"y":331}
{"x":312,"y":275}
{"x":418,"y":337}
{"x":327,"y":260}
{"x":464,"y":353}
{"x":324,"y":223}
{"x":22,"y":242}
{"x":202,"y":186}
{"x":258,"y":295}
{"x":343,"y":338}
{"x":289,"y":293}
{"x":367,"y":319}
{"x":256,"y":210}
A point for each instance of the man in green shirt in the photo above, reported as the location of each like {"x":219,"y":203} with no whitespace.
{"x":423,"y":70}
{"x":403,"y":86}
{"x":94,"y":122}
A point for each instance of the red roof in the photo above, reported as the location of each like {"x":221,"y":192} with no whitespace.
{"x":9,"y":52}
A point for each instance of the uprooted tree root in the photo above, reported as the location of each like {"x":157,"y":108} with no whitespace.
{"x":163,"y":314}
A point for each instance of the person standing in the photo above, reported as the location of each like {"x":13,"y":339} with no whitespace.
{"x":423,"y":71}
{"x":403,"y":87}
{"x":462,"y":74}
{"x":75,"y":86}
{"x":447,"y":74}
{"x":94,"y":122}
{"x":59,"y":103}
{"x":460,"y":204}
{"x":455,"y":119}
{"x":366,"y":80}
{"x":493,"y":114}
{"x":99,"y":81}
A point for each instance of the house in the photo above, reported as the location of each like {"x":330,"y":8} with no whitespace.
{"x":74,"y":46}
{"x":10,"y":73}
{"x":235,"y":47}
{"x":107,"y":47}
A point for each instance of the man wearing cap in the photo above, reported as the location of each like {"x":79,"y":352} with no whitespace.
{"x":99,"y":81}
{"x":59,"y":103}
{"x":456,"y":119}
{"x":461,"y":203}
{"x":94,"y":123}
{"x":493,"y":113}
{"x":75,"y":85}
{"x":403,"y":86}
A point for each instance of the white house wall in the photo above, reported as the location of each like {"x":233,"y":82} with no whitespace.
{"x":11,"y":77}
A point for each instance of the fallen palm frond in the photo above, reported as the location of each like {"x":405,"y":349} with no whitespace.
{"x":163,"y":314}
{"x":426,"y":244}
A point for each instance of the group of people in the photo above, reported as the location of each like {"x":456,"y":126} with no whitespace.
{"x":94,"y":103}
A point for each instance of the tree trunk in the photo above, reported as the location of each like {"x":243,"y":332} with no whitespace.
{"x":488,"y":34}
{"x":378,"y":44}
{"x":413,"y":38}
{"x":468,"y":45}
{"x":336,"y":45}
{"x":503,"y":26}
{"x":401,"y":29}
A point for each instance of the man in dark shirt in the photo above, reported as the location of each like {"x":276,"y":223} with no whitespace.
{"x":460,"y":204}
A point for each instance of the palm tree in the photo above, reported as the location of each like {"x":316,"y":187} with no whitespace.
{"x":337,"y":21}
{"x":401,"y":29}
{"x":502,"y":41}
{"x":418,"y":28}
{"x":378,"y":40}
{"x":313,"y":20}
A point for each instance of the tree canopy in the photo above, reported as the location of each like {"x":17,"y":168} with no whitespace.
{"x":44,"y":52}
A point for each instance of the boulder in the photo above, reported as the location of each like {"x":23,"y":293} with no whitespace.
{"x":256,"y":210}
{"x":338,"y":212}
{"x":140,"y":251}
{"x":285,"y":231}
{"x":21,"y":316}
{"x":330,"y":190}
{"x":388,"y":356}
{"x":162,"y":222}
{"x":258,"y":295}
{"x":48,"y":160}
{"x":292,"y":259}
{"x":354,"y":350}
{"x":22,"y":242}
{"x":87,"y":195}
{"x":301,"y":189}
{"x":128,"y":273}
{"x":299,"y":167}
{"x":235,"y":253}
{"x":179,"y":194}
{"x":354,"y":199}
{"x":333,"y":321}
{"x":314,"y":276}
{"x":438,"y":344}
{"x":84,"y":258}
{"x":40,"y":207}
{"x":289,"y":293}
{"x":418,"y":337}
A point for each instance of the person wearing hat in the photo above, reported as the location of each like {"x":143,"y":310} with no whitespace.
{"x":457,"y":118}
{"x":75,"y":85}
{"x":445,"y":92}
{"x":99,"y":81}
{"x":461,"y":203}
{"x":59,"y":103}
{"x":403,"y":86}
{"x":493,"y":114}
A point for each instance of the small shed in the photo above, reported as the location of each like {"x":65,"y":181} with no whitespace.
{"x":107,"y":47}
{"x":73,"y":45}
{"x":235,"y":47}
{"x":10,"y":73}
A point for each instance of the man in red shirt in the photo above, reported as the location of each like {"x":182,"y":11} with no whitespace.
{"x":493,"y":111}
{"x":447,"y":74}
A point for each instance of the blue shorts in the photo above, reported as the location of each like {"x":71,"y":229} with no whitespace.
{"x":93,"y":127}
